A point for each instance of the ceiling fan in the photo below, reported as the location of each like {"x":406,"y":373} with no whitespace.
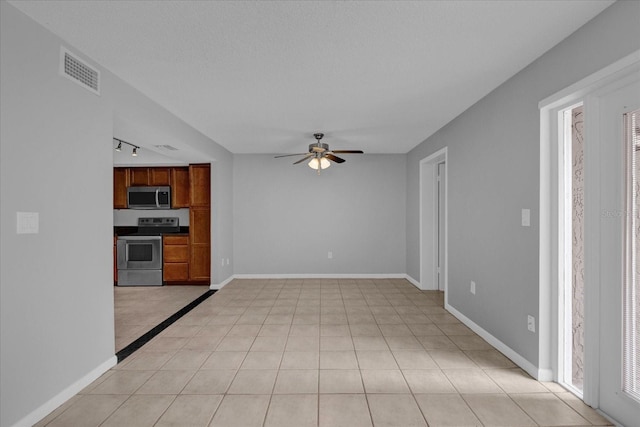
{"x":320,"y":154}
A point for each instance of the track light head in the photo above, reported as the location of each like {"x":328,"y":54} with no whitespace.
{"x":134,"y":153}
{"x":119,"y":147}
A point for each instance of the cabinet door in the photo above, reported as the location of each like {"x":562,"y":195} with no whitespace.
{"x":160,"y":176}
{"x":139,"y":176}
{"x":199,"y":225}
{"x":200,"y":265}
{"x":200,"y":184}
{"x":176,"y":253}
{"x":180,"y":187}
{"x":200,"y":238}
{"x":120,"y":184}
{"x":176,"y":272}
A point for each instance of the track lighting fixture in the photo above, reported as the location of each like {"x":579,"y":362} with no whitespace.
{"x":134,"y":153}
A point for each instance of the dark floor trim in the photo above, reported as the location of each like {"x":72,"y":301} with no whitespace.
{"x":131,"y":348}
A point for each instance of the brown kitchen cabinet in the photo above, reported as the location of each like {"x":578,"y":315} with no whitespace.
{"x":176,"y":177}
{"x":200,"y":222}
{"x":120,"y":184}
{"x":200,"y":185}
{"x":159,"y":176}
{"x":175,"y":254}
{"x":149,"y":176}
{"x":180,"y":196}
{"x":199,"y":233}
{"x":138,"y":177}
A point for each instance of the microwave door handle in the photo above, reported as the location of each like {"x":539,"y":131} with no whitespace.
{"x":157,"y":198}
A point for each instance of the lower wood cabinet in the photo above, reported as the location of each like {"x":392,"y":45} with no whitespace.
{"x":175,"y":257}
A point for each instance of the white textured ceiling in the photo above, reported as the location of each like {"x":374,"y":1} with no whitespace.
{"x":262,"y":77}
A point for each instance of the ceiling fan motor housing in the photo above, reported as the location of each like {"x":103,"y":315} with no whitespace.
{"x":318,"y":148}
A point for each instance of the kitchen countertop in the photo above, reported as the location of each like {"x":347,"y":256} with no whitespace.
{"x":128,"y":230}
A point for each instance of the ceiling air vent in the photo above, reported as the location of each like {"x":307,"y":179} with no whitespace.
{"x":79,"y":71}
{"x":166,"y":147}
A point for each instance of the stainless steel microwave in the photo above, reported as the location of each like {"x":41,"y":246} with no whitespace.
{"x":149,"y":197}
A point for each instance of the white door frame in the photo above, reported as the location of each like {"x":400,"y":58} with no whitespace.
{"x":429,"y":221}
{"x":552,"y":228}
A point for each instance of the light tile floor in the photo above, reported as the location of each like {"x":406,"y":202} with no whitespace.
{"x":320,"y":353}
{"x":137,"y":309}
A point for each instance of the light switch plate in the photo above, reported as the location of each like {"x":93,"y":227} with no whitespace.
{"x":526,"y":217}
{"x":27,"y":222}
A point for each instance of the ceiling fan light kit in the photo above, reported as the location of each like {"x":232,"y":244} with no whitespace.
{"x":321,"y":163}
{"x":320,"y":154}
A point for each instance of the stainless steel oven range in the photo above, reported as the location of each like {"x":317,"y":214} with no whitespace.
{"x":139,"y":255}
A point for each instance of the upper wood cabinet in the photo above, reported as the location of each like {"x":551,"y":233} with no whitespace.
{"x":120,"y":184}
{"x":149,"y":176}
{"x":138,"y":177}
{"x":180,"y":196}
{"x":200,"y":184}
{"x":159,"y":176}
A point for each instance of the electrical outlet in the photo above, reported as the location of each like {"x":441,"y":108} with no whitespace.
{"x":531,"y":323}
{"x":330,"y":255}
{"x":472,"y":288}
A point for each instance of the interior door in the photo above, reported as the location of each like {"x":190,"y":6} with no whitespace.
{"x":611,"y":108}
{"x":441,"y":223}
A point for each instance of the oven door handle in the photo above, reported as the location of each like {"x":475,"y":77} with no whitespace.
{"x":157,"y":198}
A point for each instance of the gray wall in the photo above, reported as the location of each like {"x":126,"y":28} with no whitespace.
{"x":493,"y":153}
{"x":56,"y":158}
{"x":287,"y":218}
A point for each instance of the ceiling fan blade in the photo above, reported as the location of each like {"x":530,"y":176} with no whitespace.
{"x":334,"y":158}
{"x":348,"y":151}
{"x":289,"y":155}
{"x":304,"y":158}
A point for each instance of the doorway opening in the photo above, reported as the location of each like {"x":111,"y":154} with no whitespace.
{"x":433,"y":222}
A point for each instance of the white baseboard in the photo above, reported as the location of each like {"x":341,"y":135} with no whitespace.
{"x":321,"y":276}
{"x":66,"y":394}
{"x":410,"y":279}
{"x":413,"y":281}
{"x":538,"y":374}
{"x":218,"y":286}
